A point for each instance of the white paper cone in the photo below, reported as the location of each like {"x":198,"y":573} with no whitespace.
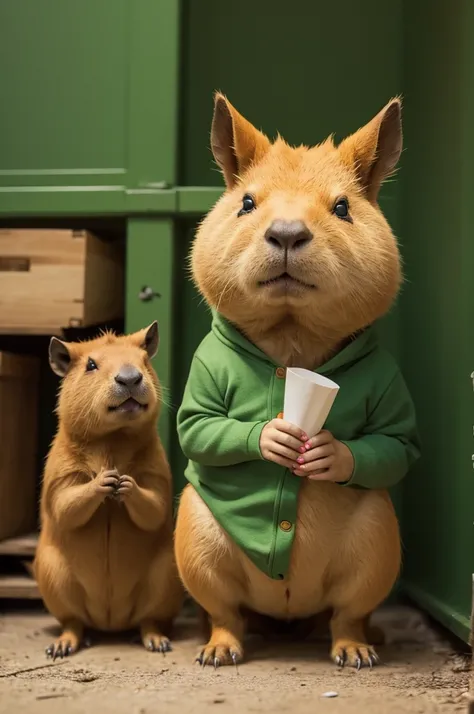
{"x":308,"y":399}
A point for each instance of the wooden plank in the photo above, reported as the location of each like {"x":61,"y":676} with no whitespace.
{"x":18,"y":587}
{"x":22,"y":545}
{"x":33,"y":330}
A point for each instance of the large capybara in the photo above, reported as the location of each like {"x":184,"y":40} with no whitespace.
{"x":297,"y":262}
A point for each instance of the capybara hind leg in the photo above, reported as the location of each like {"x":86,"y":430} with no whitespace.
{"x":225,"y":644}
{"x":69,"y":641}
{"x":215,"y":594}
{"x":63,"y":597}
{"x":226,"y":621}
{"x":159,"y":602}
{"x":369,"y":563}
{"x":213,"y":576}
{"x":349,"y":645}
{"x":153,"y":638}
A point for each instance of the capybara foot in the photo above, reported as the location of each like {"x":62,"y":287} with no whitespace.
{"x":158,"y":643}
{"x":354,"y":654}
{"x":221,"y":650}
{"x":67,"y":644}
{"x":153,"y":640}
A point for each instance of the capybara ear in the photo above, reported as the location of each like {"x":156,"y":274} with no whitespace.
{"x":59,"y":357}
{"x":235,"y":142}
{"x":149,"y":339}
{"x":375,"y":149}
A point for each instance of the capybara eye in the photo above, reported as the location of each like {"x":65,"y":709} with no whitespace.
{"x":341,"y":209}
{"x":91,"y":365}
{"x":248,"y":205}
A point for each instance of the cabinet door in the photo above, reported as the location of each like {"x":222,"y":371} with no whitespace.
{"x":88,"y":104}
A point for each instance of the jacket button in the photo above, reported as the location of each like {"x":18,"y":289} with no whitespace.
{"x":286,"y":526}
{"x":281,"y":372}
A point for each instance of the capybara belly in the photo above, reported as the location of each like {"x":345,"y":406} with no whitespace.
{"x":340,"y":534}
{"x":112,"y":570}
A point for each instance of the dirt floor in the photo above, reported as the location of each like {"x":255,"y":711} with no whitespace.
{"x":118,"y":676}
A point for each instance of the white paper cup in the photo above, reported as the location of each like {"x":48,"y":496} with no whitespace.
{"x":308,"y":399}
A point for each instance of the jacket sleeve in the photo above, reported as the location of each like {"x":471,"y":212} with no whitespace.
{"x":390,"y":444}
{"x":206,"y":434}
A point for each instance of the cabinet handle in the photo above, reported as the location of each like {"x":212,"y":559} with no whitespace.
{"x":146,"y":294}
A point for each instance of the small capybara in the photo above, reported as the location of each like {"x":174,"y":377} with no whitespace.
{"x":297,"y":262}
{"x":105,"y":553}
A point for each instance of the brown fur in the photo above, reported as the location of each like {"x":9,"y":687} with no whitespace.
{"x":102,"y":561}
{"x":346,"y":554}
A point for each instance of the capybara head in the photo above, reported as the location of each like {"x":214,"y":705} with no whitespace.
{"x":298,"y":235}
{"x":107,"y":383}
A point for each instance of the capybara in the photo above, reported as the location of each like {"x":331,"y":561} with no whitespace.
{"x":298,"y":263}
{"x":105,"y":553}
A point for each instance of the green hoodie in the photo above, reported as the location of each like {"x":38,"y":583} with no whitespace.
{"x":234,"y":389}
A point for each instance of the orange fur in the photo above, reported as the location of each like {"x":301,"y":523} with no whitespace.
{"x":346,"y":553}
{"x":104,"y":561}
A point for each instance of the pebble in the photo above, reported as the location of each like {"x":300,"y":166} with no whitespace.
{"x":330,"y":695}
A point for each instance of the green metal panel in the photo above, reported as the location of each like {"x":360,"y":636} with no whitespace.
{"x":306,"y":69}
{"x":88,"y":124}
{"x":438,"y":306}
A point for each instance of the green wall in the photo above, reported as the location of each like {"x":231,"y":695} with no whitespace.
{"x":437,"y":184}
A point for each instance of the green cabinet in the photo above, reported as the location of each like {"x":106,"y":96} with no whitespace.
{"x":89,"y":95}
{"x":106,"y":117}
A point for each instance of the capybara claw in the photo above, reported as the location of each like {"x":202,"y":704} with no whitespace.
{"x":374,"y":660}
{"x":354,"y":655}
{"x":218,"y":656}
{"x":58,"y":652}
{"x":159,"y":644}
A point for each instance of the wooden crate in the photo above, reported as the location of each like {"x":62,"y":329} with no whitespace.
{"x":18,"y":443}
{"x":16,"y":578}
{"x":52,"y":279}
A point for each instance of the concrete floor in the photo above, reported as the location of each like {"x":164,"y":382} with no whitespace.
{"x":116,"y":676}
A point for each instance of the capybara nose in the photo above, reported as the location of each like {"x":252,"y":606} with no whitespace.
{"x":128,"y":376}
{"x":288,"y":235}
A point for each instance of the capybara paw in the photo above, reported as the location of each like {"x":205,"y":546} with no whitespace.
{"x":158,"y":643}
{"x":106,"y":482}
{"x":354,"y":654}
{"x":220,"y":654}
{"x":64,"y":646}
